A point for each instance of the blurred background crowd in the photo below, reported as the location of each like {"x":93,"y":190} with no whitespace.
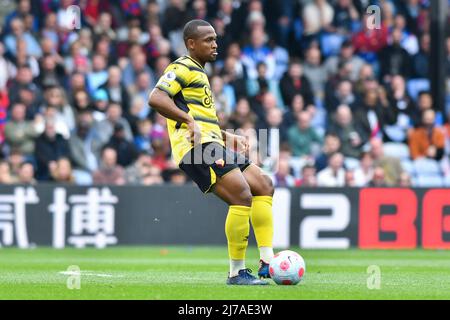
{"x":344,"y":104}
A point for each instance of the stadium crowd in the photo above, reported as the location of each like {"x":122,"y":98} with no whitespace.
{"x":344,"y":104}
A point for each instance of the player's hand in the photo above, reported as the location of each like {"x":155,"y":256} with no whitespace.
{"x":241,"y":144}
{"x":195,"y":134}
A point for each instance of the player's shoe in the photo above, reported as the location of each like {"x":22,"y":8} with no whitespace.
{"x":245,"y":278}
{"x":263,"y":271}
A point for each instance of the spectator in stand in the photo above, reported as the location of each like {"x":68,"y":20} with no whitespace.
{"x":242,"y":114}
{"x":425,"y":102}
{"x":420,"y":63}
{"x":50,"y":147}
{"x":17,"y":33}
{"x":427,"y":140}
{"x":15,"y":159}
{"x":84,"y":146}
{"x":115,"y":89}
{"x":366,"y":81}
{"x":334,"y":174}
{"x":283,"y":177}
{"x":91,"y":11}
{"x":302,"y":136}
{"x":408,"y":40}
{"x":154,"y":177}
{"x":232,"y":76}
{"x":78,"y":60}
{"x":364,"y":173}
{"x":370,"y":41}
{"x":177,"y":177}
{"x":346,"y":17}
{"x":332,"y":144}
{"x":258,"y":51}
{"x":291,"y":114}
{"x":404,"y":109}
{"x":24,"y":79}
{"x":404,"y":180}
{"x":351,"y":137}
{"x":308,"y":178}
{"x":317,"y":16}
{"x":350,"y":178}
{"x":142,"y":139}
{"x":394,"y":59}
{"x":346,"y":55}
{"x":374,"y":114}
{"x":105,"y":128}
{"x":26,"y":174}
{"x":126,"y":151}
{"x":223,"y":95}
{"x":19,"y":133}
{"x":104,"y":26}
{"x":62,"y":172}
{"x":274,"y":125}
{"x":23,"y":8}
{"x":378,"y":179}
{"x":99,"y":74}
{"x":100,"y":105}
{"x":51,"y":73}
{"x":109,"y":172}
{"x":343,"y":95}
{"x":55,"y":97}
{"x":5,"y":173}
{"x":134,"y":38}
{"x":392,"y":167}
{"x":314,"y":70}
{"x":141,"y":90}
{"x":137,"y":65}
{"x":136,"y":172}
{"x":82,"y":102}
{"x":294,"y":82}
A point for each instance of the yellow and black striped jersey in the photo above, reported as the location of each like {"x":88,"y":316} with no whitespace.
{"x":186,"y":82}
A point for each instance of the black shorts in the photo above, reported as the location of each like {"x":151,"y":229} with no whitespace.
{"x":204,"y":163}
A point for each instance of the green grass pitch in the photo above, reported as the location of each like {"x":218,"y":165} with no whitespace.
{"x":200,"y":272}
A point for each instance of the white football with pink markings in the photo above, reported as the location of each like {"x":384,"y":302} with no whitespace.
{"x":287,"y":268}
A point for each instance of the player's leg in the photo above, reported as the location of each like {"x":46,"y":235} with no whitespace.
{"x":235,"y":191}
{"x":261,"y":214}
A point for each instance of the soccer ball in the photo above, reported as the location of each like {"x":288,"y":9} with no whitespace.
{"x":287,"y":268}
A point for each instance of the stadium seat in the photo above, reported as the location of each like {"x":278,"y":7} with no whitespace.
{"x":426,"y":167}
{"x":331,"y":43}
{"x":351,"y":163}
{"x":414,"y":86}
{"x":430,"y":181}
{"x":396,"y":150}
{"x":408,"y":166}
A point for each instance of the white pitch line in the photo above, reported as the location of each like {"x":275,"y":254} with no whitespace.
{"x":89,"y":273}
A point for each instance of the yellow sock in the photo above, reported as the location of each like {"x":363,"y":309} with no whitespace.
{"x":262,"y":220}
{"x":237,"y":229}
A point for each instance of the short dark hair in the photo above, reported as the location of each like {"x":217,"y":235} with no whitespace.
{"x":190,"y":30}
{"x":423,"y":92}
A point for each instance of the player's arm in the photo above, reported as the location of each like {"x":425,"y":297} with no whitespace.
{"x":163,"y":103}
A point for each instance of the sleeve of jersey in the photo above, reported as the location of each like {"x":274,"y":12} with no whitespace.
{"x":174,"y":79}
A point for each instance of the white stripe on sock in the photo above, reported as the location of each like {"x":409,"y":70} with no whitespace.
{"x":235,"y":266}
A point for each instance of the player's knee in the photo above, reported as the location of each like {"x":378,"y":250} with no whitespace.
{"x":245,"y":197}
